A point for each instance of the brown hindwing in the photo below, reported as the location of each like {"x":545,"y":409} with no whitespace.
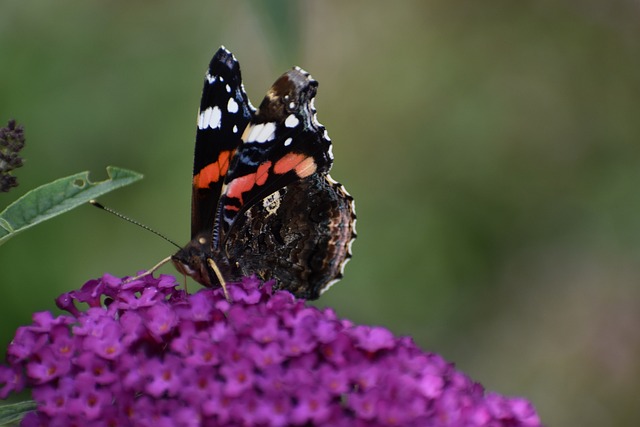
{"x":301,"y":235}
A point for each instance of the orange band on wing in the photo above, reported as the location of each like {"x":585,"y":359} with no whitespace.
{"x":262,"y":173}
{"x":303,"y":165}
{"x":247,"y":182}
{"x":214,"y":171}
{"x":306,"y":167}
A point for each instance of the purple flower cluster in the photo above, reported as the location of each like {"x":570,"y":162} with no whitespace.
{"x":146,"y":354}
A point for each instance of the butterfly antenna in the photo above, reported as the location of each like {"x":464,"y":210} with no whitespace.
{"x":133,"y":221}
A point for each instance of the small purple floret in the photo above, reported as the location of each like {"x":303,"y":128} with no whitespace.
{"x":143,"y":353}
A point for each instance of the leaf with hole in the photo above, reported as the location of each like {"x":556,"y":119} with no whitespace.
{"x":57,"y":197}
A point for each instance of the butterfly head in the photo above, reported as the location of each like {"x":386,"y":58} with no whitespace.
{"x":192,"y":261}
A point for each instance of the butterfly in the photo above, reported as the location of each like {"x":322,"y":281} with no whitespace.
{"x":263,"y":202}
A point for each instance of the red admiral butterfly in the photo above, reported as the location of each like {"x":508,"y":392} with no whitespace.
{"x":263,"y":202}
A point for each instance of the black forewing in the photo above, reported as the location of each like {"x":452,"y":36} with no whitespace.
{"x":224,"y":113}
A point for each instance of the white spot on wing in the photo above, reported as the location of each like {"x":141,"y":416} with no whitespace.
{"x":271,"y":203}
{"x":254,"y":130}
{"x":228,"y":89}
{"x":260,"y":133}
{"x":267,"y":133}
{"x":206,"y":117}
{"x":232,"y":105}
{"x":201,"y":119}
{"x":291,"y":121}
{"x":288,"y":142}
{"x":216,"y":115}
{"x":235,"y":129}
{"x":210,"y":118}
{"x":210,"y":78}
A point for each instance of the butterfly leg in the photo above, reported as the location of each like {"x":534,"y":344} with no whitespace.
{"x":216,"y":270}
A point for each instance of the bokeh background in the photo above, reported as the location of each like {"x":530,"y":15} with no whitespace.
{"x":492,"y":148}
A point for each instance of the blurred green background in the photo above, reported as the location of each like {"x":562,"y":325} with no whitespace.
{"x":492,"y":148}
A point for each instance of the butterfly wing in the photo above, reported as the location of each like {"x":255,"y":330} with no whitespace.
{"x":283,"y":143}
{"x":300,"y":235}
{"x":263,"y":201}
{"x":224,"y":113}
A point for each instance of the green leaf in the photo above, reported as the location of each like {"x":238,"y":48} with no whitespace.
{"x":15,"y":412}
{"x":57,"y":197}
